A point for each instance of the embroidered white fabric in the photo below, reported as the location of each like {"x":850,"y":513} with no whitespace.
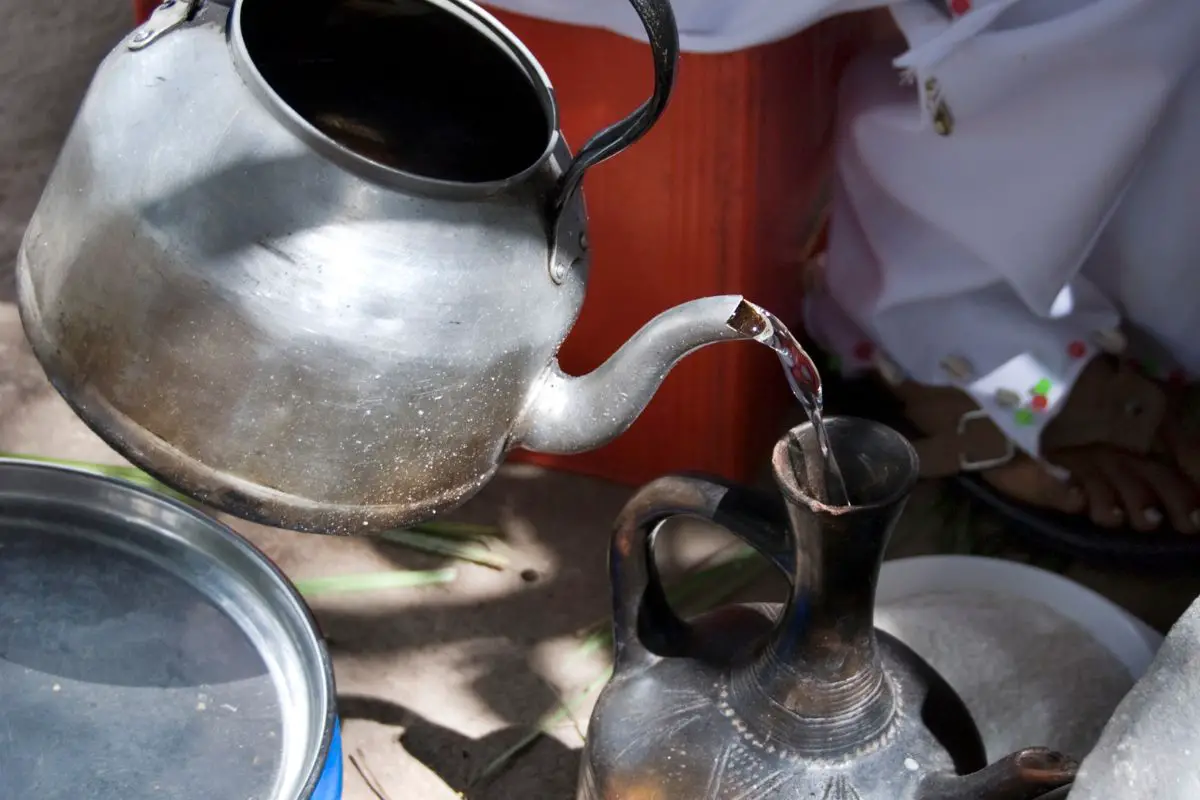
{"x":705,"y":26}
{"x":998,"y":258}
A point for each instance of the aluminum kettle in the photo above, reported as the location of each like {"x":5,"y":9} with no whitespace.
{"x":311,"y":261}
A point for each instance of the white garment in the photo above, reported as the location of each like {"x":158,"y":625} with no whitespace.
{"x":705,"y":26}
{"x":998,"y":258}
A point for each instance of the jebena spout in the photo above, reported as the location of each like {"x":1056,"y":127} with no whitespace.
{"x":569,"y":414}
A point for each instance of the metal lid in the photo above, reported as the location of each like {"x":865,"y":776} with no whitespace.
{"x":147,"y":651}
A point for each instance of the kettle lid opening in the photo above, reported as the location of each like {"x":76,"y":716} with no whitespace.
{"x":432,"y":88}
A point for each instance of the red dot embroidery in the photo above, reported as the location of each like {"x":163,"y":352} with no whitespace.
{"x":863,"y":351}
{"x":1077,"y":349}
{"x":1039,"y":402}
{"x":960,"y":7}
{"x":1177,"y":378}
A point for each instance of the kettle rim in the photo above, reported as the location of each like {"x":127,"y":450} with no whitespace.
{"x":465,"y":11}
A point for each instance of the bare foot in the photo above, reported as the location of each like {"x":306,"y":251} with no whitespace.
{"x":1113,"y":485}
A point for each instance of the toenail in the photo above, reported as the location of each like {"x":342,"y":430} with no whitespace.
{"x":1118,"y":513}
{"x":1152,"y":516}
{"x":1195,"y":518}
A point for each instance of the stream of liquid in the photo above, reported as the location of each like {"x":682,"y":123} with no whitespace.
{"x":805,"y":382}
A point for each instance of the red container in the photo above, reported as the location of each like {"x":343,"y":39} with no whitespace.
{"x":142,"y":9}
{"x":722,"y":197}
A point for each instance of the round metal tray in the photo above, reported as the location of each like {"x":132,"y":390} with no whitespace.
{"x":147,"y":651}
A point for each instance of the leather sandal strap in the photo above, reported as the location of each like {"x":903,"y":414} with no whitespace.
{"x":1108,"y":406}
{"x":1115,"y":406}
{"x":975,"y":445}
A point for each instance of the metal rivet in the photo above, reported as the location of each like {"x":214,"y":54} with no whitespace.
{"x":143,"y":34}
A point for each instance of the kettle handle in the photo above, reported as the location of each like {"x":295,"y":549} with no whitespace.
{"x":658,"y":18}
{"x":644,"y":625}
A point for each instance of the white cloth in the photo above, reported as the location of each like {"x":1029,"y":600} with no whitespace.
{"x":1061,"y":203}
{"x":705,"y":26}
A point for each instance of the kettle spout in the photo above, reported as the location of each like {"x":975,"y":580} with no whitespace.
{"x":569,"y":414}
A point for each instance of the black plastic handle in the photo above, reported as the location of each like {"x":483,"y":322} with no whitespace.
{"x":644,"y":625}
{"x":658,"y":18}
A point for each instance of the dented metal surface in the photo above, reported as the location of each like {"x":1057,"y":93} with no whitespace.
{"x":309,"y":325}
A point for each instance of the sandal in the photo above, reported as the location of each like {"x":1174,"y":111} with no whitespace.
{"x":1111,"y":408}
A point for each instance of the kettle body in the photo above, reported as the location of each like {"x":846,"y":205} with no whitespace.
{"x":310,"y":262}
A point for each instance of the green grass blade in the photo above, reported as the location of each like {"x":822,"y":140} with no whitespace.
{"x":564,"y":713}
{"x":129,"y":474}
{"x":463,"y":550}
{"x":458,"y":540}
{"x":374,"y":581}
{"x":459,"y":530}
{"x":695,"y":592}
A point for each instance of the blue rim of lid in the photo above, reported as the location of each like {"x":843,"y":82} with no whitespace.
{"x":329,"y":785}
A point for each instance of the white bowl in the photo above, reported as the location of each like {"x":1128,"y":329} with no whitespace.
{"x":997,"y":632}
{"x":1131,"y":641}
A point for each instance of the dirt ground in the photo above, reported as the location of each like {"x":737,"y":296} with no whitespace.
{"x":435,"y":683}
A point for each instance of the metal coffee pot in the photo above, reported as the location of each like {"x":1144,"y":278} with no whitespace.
{"x":310,"y":261}
{"x":806,"y":701}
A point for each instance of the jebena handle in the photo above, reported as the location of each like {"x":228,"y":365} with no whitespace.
{"x":644,"y":625}
{"x":658,"y":18}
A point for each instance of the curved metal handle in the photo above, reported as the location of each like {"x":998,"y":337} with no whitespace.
{"x":658,"y":18}
{"x":644,"y":625}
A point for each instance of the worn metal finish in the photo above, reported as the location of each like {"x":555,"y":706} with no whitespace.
{"x":146,"y":650}
{"x":1148,"y":749}
{"x":305,"y":312}
{"x":806,"y":700}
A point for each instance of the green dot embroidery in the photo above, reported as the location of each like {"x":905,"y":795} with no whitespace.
{"x":1150,"y":368}
{"x":1024,"y":416}
{"x":1042,"y":387}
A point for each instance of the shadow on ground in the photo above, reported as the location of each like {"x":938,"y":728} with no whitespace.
{"x":461,"y":761}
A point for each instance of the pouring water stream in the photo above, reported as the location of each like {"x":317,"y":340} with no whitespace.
{"x":757,"y":323}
